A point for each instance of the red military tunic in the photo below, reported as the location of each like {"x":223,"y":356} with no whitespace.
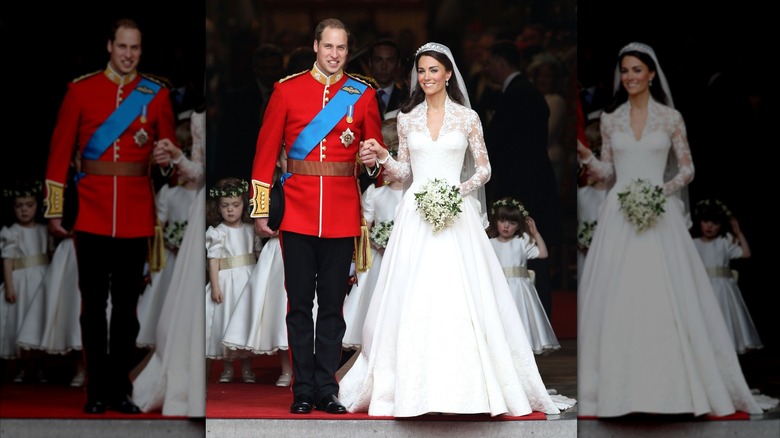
{"x":323,"y":206}
{"x":116,"y":206}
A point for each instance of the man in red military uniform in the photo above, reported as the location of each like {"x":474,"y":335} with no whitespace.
{"x":320,"y":116}
{"x":112,"y":120}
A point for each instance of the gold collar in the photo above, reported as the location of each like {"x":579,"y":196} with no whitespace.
{"x":118,"y":79}
{"x":324,"y":79}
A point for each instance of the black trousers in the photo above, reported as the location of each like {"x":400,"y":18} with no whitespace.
{"x":316,"y":264}
{"x":112,"y":267}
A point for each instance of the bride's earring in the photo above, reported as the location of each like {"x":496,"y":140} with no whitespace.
{"x":651,"y":83}
{"x":447,"y":83}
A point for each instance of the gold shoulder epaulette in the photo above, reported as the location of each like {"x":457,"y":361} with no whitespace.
{"x":86,"y":76}
{"x":371,"y":82}
{"x":158,"y":79}
{"x":293,"y":75}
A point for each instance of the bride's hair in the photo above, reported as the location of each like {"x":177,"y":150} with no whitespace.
{"x":656,"y":90}
{"x":417,"y":96}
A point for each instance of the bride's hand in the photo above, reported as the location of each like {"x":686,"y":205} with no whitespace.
{"x":583,"y":153}
{"x":369,"y":150}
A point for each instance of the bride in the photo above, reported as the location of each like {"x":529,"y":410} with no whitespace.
{"x":650,"y":336}
{"x":442,"y":334}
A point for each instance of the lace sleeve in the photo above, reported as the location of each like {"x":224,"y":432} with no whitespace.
{"x":193,"y":169}
{"x":400,"y":169}
{"x":603,"y":169}
{"x":683,"y":153}
{"x":480,"y":155}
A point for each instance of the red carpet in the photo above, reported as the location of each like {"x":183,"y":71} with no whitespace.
{"x":264,"y":400}
{"x":54,"y":401}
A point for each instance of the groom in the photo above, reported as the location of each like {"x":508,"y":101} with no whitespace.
{"x":321,"y":116}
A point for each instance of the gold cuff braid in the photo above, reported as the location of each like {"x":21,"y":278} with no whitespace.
{"x":54,"y":199}
{"x":259,"y":201}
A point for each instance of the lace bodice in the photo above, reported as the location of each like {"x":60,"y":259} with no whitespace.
{"x":624,"y":158}
{"x":427,"y":158}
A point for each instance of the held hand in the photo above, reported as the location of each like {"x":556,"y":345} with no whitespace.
{"x":262,"y":229}
{"x":165,"y":151}
{"x":56,"y":229}
{"x":369,"y":152}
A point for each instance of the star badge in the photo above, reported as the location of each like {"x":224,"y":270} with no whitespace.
{"x":347,"y":137}
{"x":141,"y":137}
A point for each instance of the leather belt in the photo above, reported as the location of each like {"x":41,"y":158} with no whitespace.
{"x":322,"y":168}
{"x":30,"y":261}
{"x":115,"y":168}
{"x":236,"y":261}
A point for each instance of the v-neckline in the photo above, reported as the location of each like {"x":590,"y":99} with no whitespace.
{"x":644,"y":126}
{"x":443,"y":117}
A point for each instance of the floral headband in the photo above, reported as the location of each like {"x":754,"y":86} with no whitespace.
{"x":24,"y":189}
{"x":509,"y":203}
{"x":231,"y":191}
{"x":712,"y":205}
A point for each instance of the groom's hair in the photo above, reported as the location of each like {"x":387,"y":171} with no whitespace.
{"x":332,"y":23}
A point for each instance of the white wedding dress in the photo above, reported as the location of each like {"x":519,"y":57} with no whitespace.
{"x":651,"y":336}
{"x":174,"y":380}
{"x":442,"y":332}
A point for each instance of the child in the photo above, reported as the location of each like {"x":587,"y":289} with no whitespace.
{"x":379,"y":203}
{"x":231,"y":249}
{"x":516,"y":240}
{"x":60,"y":302}
{"x":25,"y":252}
{"x":590,"y":196}
{"x":717,"y":246}
{"x":174,"y":202}
{"x":258,"y":324}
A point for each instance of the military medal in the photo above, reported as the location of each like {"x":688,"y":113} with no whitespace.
{"x":350,"y":113}
{"x":347,"y":137}
{"x":143,"y":114}
{"x":141,"y":137}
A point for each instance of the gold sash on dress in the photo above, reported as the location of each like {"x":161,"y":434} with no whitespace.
{"x":720,"y":271}
{"x":30,"y":261}
{"x":516,"y":271}
{"x":237,"y":261}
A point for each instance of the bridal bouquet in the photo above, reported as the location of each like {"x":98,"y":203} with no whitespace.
{"x":174,"y":233}
{"x":585,"y":232}
{"x":439,"y":203}
{"x":380,"y":233}
{"x":642,"y":203}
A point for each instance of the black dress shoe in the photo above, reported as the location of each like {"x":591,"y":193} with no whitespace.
{"x":331,"y":405}
{"x":126,"y":406}
{"x":94,"y":407}
{"x":301,"y":405}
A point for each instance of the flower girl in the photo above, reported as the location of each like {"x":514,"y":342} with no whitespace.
{"x":516,"y":239}
{"x":231,"y":249}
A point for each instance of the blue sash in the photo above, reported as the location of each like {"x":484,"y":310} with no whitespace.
{"x":324,"y":121}
{"x":120,"y":119}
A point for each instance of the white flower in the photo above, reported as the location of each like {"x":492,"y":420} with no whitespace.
{"x":173,"y":234}
{"x":642,"y":203}
{"x":585,"y":232}
{"x":380,"y":233}
{"x":439,"y":203}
